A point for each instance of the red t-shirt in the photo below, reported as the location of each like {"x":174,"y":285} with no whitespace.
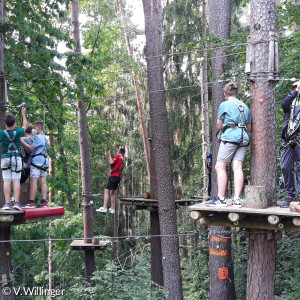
{"x":118,"y":165}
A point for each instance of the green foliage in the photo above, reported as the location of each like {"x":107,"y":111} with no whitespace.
{"x":287,"y":267}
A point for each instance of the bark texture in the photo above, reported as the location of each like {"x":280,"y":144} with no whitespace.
{"x":261,"y":266}
{"x":162,"y":160}
{"x":262,"y":245}
{"x":156,"y":254}
{"x":86,"y":177}
{"x":219,"y":25}
{"x":263,"y":104}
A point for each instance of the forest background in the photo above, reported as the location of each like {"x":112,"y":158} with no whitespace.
{"x":43,"y":76}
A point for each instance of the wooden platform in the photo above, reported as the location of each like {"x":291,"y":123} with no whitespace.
{"x":271,"y":218}
{"x":81,"y":245}
{"x":152,"y":204}
{"x":15,"y":217}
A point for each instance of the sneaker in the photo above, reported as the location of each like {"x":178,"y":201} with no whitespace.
{"x":112,"y":211}
{"x":287,"y":201}
{"x":30,"y":204}
{"x":216,"y":202}
{"x":17,"y":206}
{"x":102,"y":210}
{"x":44,"y":203}
{"x":6,"y":206}
{"x":236,"y":203}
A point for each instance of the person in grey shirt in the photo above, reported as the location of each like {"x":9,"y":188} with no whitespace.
{"x":27,"y":155}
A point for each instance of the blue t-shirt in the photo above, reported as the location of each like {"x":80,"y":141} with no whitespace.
{"x":40,"y":145}
{"x":229,"y":112}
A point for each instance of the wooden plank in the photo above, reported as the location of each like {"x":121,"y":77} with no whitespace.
{"x":151,"y":202}
{"x":21,"y":221}
{"x":222,"y":220}
{"x":81,"y":245}
{"x":274,"y":210}
{"x":6,"y":218}
{"x":11,"y":212}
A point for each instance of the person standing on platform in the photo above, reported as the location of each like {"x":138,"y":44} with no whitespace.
{"x":114,"y":180}
{"x":39,"y":165}
{"x":290,"y":143}
{"x":27,"y":155}
{"x":235,"y":123}
{"x":11,"y":161}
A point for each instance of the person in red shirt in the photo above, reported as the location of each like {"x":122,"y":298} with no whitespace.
{"x":117,"y":165}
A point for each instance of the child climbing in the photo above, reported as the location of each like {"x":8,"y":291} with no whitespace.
{"x":113,"y":182}
{"x":235,"y":123}
{"x":39,"y":164}
{"x":11,"y":161}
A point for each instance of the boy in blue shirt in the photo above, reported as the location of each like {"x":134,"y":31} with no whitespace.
{"x":11,"y":161}
{"x":39,"y":164}
{"x":235,"y":122}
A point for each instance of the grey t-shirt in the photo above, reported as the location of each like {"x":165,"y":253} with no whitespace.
{"x":28,"y":158}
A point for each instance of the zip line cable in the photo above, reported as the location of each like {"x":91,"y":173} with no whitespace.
{"x":137,"y":68}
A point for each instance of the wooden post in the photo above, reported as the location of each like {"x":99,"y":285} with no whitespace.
{"x":86,"y":177}
{"x":262,"y":244}
{"x":256,"y":196}
{"x":261,"y":267}
{"x":219,"y":25}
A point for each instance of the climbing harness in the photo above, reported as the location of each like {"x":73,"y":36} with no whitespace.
{"x":120,"y":169}
{"x":11,"y":149}
{"x":44,"y":166}
{"x":291,"y":135}
{"x":241,"y":124}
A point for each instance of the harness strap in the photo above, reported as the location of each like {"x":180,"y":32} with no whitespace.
{"x":40,"y":167}
{"x":293,"y":124}
{"x":120,"y":169}
{"x":42,"y":154}
{"x":11,"y":143}
{"x":242,"y":120}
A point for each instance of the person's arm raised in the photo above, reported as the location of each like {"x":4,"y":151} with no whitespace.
{"x":25,"y":123}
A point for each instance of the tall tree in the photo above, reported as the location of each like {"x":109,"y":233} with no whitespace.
{"x":219,"y":25}
{"x":86,"y":176}
{"x":262,"y":244}
{"x":5,"y":248}
{"x":160,"y":140}
{"x":137,"y":90}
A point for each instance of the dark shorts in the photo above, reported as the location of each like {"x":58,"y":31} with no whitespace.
{"x":113,"y":183}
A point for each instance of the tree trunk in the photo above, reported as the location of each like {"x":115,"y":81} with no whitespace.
{"x":64,"y":168}
{"x":204,"y":106}
{"x":162,"y":160}
{"x":261,"y":265}
{"x":262,"y":245}
{"x":263,"y":140}
{"x":51,"y":169}
{"x":86,"y":177}
{"x":156,"y":254}
{"x":219,"y":24}
{"x":137,"y":91}
{"x":5,"y":248}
